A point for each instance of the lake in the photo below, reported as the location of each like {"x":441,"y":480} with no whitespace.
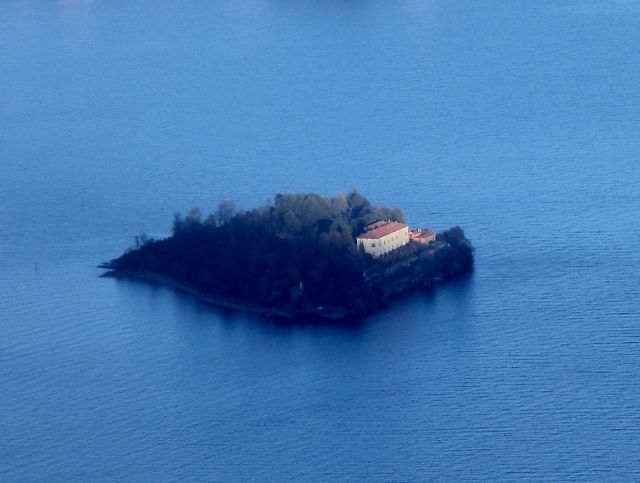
{"x":519,"y":121}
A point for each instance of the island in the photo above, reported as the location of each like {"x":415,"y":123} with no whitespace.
{"x":299,"y":255}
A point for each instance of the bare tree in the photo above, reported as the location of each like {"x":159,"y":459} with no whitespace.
{"x":225,"y":211}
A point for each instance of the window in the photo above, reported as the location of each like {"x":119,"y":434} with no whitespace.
{"x":373,"y":245}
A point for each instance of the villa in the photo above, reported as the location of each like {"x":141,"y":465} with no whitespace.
{"x":383,"y":236}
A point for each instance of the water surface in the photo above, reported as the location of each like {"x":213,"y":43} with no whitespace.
{"x":517,"y":121}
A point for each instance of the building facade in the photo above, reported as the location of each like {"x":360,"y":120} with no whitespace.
{"x":382,"y":237}
{"x":422,"y":236}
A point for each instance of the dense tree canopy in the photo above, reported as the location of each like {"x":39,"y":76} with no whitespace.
{"x":298,"y":250}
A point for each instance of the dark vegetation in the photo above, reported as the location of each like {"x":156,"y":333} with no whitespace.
{"x":296,"y":254}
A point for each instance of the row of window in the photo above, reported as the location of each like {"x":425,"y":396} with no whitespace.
{"x":373,"y":245}
{"x":396,"y":237}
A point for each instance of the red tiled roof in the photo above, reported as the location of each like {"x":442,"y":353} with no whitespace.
{"x":375,"y":224}
{"x":422,"y":234}
{"x":383,"y":230}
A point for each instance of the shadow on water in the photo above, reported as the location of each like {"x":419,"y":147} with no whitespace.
{"x":452,"y":296}
{"x":460,"y":288}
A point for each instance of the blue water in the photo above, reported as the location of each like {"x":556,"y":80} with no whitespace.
{"x":517,"y":120}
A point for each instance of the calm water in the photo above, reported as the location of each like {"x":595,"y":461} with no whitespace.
{"x":517,"y":120}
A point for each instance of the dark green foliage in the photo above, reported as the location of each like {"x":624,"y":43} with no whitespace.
{"x":456,"y":256}
{"x":297,"y":251}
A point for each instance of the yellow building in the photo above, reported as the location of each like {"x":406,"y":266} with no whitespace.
{"x":382,"y":237}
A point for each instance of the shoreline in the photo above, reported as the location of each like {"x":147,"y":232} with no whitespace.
{"x":295,"y":257}
{"x":330,"y":313}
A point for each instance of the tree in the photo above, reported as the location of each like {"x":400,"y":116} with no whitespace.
{"x":339,"y":204}
{"x":141,"y":240}
{"x":210,"y":221}
{"x":178,"y":224}
{"x":290,"y":223}
{"x":193,"y":218}
{"x":225,"y":211}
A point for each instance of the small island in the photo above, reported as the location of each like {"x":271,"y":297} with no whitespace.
{"x":299,"y":255}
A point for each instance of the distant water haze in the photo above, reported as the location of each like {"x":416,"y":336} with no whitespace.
{"x":516,"y":120}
